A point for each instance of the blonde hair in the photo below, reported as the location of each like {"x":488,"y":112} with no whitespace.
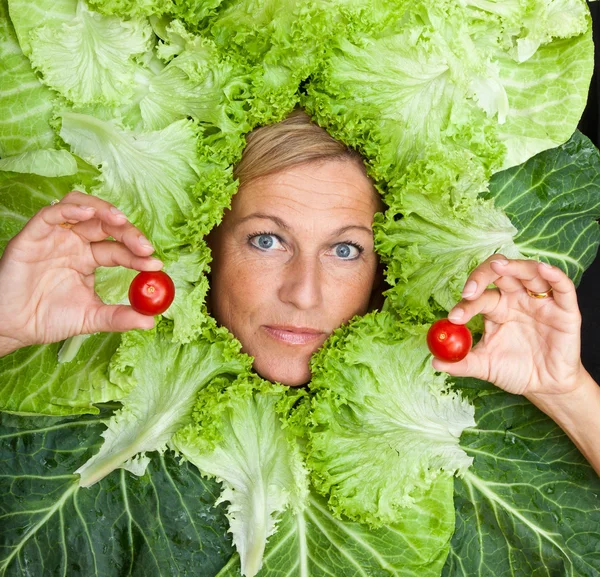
{"x":290,"y":142}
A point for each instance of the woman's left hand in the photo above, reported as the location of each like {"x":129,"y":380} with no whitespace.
{"x":530,"y":345}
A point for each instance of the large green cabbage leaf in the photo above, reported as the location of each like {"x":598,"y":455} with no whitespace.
{"x":530,"y":505}
{"x":163,"y":523}
{"x":25,"y":103}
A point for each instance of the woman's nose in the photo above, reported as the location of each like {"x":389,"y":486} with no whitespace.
{"x":301,"y":283}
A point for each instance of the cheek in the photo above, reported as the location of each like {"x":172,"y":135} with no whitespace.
{"x":240,"y":289}
{"x":347,"y":293}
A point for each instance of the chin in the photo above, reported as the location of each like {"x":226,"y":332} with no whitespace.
{"x":290,"y":372}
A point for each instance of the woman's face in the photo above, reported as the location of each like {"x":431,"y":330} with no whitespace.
{"x":293,"y":260}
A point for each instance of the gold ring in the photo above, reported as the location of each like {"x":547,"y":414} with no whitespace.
{"x":55,"y":201}
{"x":539,"y":295}
{"x":67,"y":225}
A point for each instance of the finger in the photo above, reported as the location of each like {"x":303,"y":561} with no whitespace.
{"x":116,"y":319}
{"x":563,"y":288}
{"x":486,"y":304}
{"x":109,"y":221}
{"x":486,"y":274}
{"x":471,"y":366}
{"x":112,"y":253}
{"x":46,"y":219}
{"x":526,"y":272}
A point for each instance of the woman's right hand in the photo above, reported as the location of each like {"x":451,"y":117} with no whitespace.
{"x":47,"y":273}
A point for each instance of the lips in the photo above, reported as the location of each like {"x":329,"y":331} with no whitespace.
{"x":294,"y":335}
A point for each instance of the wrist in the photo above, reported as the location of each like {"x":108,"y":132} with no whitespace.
{"x":562,"y":404}
{"x":9,"y":345}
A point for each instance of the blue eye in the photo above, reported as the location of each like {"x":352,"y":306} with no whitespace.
{"x":347,"y":251}
{"x":265,"y":241}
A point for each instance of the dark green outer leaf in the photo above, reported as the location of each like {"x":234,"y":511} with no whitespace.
{"x":161,"y":524}
{"x":553,"y":200}
{"x":530,"y":504}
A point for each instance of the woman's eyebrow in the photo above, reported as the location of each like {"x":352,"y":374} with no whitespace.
{"x":265,"y":216}
{"x":345,"y":229}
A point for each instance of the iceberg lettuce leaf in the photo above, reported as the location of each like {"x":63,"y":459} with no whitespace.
{"x":25,"y":103}
{"x":44,"y":162}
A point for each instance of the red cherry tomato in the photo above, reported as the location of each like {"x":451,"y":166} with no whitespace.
{"x":449,"y":342}
{"x":151,"y":292}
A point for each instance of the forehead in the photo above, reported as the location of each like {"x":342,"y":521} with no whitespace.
{"x":329,"y":189}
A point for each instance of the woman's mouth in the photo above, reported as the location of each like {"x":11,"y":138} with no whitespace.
{"x":294,"y":335}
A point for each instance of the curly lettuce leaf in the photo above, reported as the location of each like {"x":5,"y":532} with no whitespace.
{"x":91,"y":59}
{"x":435,"y":231}
{"x":406,"y":95}
{"x":199,"y":82}
{"x":382,"y":424}
{"x":238,"y":439}
{"x":163,"y":378}
{"x":148,"y":175}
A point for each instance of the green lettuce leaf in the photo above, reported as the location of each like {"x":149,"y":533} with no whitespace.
{"x":90,"y":59}
{"x":444,"y":78}
{"x":163,"y":378}
{"x":25,"y":103}
{"x":32,"y":381}
{"x":314,"y":543}
{"x":161,"y":524}
{"x":43,"y":162}
{"x":201,"y":83}
{"x":530,"y":504}
{"x":382,"y":424}
{"x":147,"y":175}
{"x":238,"y":439}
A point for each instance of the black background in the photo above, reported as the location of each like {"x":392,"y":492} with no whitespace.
{"x":587,"y":291}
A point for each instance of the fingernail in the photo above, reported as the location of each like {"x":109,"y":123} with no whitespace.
{"x":546,"y":265}
{"x":117,"y":212}
{"x":456,"y":314}
{"x":86,"y":207}
{"x":470,"y":289}
{"x":155,"y":261}
{"x":500,"y":262}
{"x":145,"y":242}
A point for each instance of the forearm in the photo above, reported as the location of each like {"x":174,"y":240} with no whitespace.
{"x":578,"y":414}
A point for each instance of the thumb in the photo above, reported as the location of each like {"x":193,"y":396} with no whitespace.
{"x":118,"y":319}
{"x":470,"y":366}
